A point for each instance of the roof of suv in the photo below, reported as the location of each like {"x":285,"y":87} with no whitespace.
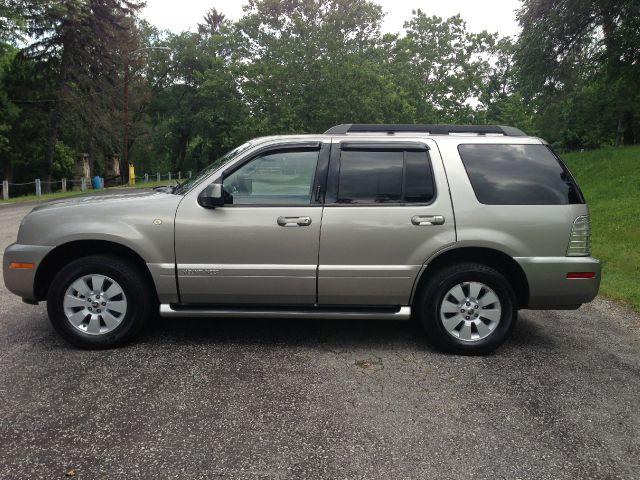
{"x":483,"y":133}
{"x":431,"y":129}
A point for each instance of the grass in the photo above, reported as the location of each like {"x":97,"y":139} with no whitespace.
{"x":53,"y":196}
{"x":610,"y":180}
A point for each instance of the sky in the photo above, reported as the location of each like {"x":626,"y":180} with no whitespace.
{"x":492,"y":15}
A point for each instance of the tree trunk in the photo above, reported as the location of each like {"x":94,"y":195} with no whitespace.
{"x":51,"y":150}
{"x":614,"y":66}
{"x":620,"y":129}
{"x":56,"y":121}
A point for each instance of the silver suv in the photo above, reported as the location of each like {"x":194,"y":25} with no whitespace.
{"x":455,"y":226}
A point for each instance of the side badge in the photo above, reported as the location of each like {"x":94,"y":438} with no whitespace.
{"x":157,"y":221}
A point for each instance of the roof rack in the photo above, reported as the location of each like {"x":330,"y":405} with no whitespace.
{"x":424,"y":128}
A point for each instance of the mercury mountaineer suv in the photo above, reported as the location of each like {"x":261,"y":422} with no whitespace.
{"x":455,"y":226}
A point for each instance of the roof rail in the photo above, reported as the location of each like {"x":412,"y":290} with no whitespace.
{"x":424,"y":128}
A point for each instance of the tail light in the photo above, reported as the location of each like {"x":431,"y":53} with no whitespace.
{"x":581,"y":275}
{"x":580,"y":238}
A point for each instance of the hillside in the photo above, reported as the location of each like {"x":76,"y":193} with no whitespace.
{"x":610,"y":180}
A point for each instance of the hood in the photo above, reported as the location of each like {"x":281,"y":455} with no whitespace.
{"x":114,"y":215}
{"x":101,"y":199}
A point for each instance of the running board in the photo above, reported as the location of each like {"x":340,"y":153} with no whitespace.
{"x":177,"y":311}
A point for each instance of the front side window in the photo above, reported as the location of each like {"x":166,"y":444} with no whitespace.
{"x":215,"y":165}
{"x":274,"y":178}
{"x":381,"y":176}
{"x":518,"y":175}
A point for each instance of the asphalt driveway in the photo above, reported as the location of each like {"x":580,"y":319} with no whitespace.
{"x":251,"y":399}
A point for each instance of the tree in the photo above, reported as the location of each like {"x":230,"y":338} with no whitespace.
{"x":500,"y":95}
{"x":12,"y":23}
{"x":576,"y":49}
{"x":75,"y":46}
{"x":305,"y":65}
{"x":443,"y":65}
{"x":8,"y":111}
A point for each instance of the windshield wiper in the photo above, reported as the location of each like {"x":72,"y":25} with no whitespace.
{"x":177,"y":188}
{"x":166,"y":188}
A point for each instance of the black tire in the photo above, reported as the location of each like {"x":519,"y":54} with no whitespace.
{"x":130,"y":279}
{"x":432,"y":295}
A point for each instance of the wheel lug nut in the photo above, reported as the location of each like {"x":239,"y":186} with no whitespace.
{"x":466,"y":317}
{"x":104,"y":303}
{"x":462,"y":310}
{"x":468,"y":304}
{"x":476,"y":306}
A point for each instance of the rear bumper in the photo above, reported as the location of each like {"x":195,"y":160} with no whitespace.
{"x":549,"y":287}
{"x":21,"y":280}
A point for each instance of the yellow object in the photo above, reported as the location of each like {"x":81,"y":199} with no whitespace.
{"x":132,"y":174}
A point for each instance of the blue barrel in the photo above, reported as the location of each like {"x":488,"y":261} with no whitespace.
{"x":95,"y":182}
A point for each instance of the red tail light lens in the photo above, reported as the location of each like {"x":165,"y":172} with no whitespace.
{"x":581,"y":275}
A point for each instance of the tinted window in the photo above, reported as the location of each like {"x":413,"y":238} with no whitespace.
{"x":518,"y":175}
{"x":370,"y":176}
{"x":279,"y":178}
{"x":418,"y":179}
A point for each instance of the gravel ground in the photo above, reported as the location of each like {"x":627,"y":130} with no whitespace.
{"x":251,"y":399}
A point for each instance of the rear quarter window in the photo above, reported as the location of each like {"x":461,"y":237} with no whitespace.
{"x":518,"y":175}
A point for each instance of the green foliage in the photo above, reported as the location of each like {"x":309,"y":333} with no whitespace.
{"x":308,"y":64}
{"x":299,"y":66}
{"x":63,"y":162}
{"x":579,"y":66}
{"x":8,"y":110}
{"x":609,"y":181}
{"x":445,"y":67}
{"x":12,"y":22}
{"x":74,"y":59}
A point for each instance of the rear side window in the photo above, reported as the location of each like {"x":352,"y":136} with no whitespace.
{"x":518,"y":175}
{"x":383,"y":176}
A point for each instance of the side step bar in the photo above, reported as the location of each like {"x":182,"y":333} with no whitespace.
{"x":177,"y":311}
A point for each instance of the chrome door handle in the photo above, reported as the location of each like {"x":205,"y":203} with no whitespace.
{"x":294,"y":221}
{"x":424,"y":220}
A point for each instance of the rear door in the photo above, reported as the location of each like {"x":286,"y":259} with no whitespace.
{"x":387,"y":210}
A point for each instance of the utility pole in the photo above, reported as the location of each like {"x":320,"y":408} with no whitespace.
{"x":124,"y":170}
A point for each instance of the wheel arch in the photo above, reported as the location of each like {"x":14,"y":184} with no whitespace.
{"x":490,"y":257}
{"x":67,"y":252}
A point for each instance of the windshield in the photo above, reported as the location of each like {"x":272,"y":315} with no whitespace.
{"x":192,"y":182}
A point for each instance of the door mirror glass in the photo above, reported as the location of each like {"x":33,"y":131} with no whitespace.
{"x":212,"y":197}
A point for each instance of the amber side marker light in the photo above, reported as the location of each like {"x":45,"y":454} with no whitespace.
{"x":21,"y":265}
{"x":581,"y":275}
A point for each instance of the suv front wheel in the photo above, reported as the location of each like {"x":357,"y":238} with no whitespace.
{"x":99,"y":301}
{"x":467,"y":308}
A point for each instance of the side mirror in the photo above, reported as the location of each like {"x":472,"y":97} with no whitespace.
{"x":212,"y":196}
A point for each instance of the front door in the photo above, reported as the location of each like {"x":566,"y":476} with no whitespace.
{"x":262,"y":247}
{"x":387,"y":210}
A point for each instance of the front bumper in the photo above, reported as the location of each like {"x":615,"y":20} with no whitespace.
{"x":21,"y":281}
{"x":549,"y":287}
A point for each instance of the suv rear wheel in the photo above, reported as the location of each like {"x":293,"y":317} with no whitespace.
{"x":99,"y":302}
{"x":467,"y":308}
